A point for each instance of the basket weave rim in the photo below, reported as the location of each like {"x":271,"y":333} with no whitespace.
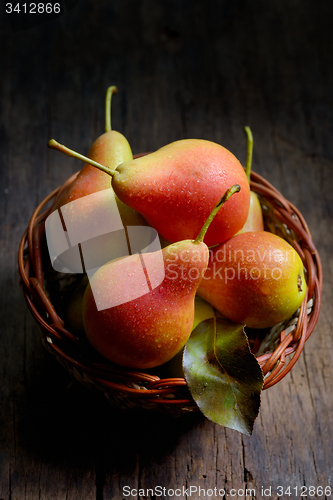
{"x":171,"y":391}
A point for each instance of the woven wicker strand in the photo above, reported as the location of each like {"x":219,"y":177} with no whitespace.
{"x":276,"y":354}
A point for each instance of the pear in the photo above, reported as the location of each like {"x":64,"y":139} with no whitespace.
{"x":138,"y":311}
{"x":255,"y":278}
{"x":177,"y":186}
{"x":110,"y":149}
{"x":202,"y":310}
{"x":73,"y":313}
{"x":89,"y":208}
{"x":254,"y":221}
{"x":174,"y":367}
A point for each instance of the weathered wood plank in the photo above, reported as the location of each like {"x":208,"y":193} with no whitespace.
{"x":184,"y":69}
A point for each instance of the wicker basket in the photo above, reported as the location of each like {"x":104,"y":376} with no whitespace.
{"x":276,"y":353}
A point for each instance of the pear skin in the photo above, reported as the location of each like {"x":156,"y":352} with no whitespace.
{"x":254,"y":221}
{"x":176,"y":187}
{"x":256,"y":279}
{"x":151,"y":329}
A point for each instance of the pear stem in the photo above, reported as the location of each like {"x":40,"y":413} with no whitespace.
{"x":229,"y":192}
{"x":109,"y":93}
{"x":249,"y":153}
{"x":52,"y":144}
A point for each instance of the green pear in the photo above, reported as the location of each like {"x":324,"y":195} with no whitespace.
{"x":174,"y":367}
{"x":254,"y":221}
{"x":202,"y":310}
{"x":138,"y":311}
{"x":255,"y":278}
{"x":177,"y":186}
{"x":73,"y":314}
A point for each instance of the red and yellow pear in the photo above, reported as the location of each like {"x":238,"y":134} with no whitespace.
{"x":182,"y":183}
{"x":255,"y":278}
{"x":111,"y":149}
{"x":86,"y":228}
{"x":138,"y":311}
{"x":177,"y":186}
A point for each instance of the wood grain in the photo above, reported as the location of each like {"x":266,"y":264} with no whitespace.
{"x":184,"y":69}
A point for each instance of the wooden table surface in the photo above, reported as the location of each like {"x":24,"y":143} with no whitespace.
{"x":183,"y":69}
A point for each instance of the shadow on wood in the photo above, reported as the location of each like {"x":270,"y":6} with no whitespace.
{"x":63,"y":422}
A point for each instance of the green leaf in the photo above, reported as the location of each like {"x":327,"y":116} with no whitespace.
{"x":222,"y":374}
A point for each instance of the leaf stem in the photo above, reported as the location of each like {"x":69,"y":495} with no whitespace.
{"x":109,"y":93}
{"x":52,"y":144}
{"x":229,"y":192}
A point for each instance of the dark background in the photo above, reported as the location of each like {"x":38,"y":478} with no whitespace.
{"x":184,"y":69}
